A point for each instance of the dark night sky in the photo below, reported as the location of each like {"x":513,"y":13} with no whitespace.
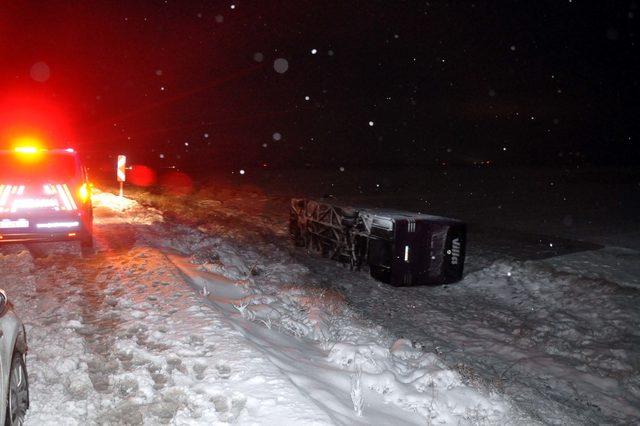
{"x":512,"y":82}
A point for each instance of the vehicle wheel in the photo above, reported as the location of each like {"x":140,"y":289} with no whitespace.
{"x":86,"y":245}
{"x":86,"y":241}
{"x":86,"y":235}
{"x":18,"y":398}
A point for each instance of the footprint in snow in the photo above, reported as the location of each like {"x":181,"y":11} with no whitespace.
{"x":176,"y":364}
{"x":127,"y":414}
{"x":127,"y":387}
{"x":229,"y":408}
{"x":166,"y":407}
{"x":159,"y":380}
{"x":199,"y":370}
{"x":224,"y":371}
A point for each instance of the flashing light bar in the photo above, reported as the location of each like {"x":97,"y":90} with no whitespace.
{"x":58,"y":225}
{"x":35,"y":149}
{"x":26,"y":149}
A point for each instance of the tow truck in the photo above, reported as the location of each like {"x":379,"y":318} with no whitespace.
{"x":45,"y":195}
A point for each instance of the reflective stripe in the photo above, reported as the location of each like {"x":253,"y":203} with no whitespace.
{"x":70,"y":197}
{"x":58,"y":225}
{"x":48,"y":189}
{"x":63,"y":196}
{"x":120,"y":174}
{"x":5,"y":194}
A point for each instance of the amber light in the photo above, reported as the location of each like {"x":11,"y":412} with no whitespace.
{"x":27,"y":144}
{"x":84,"y":193}
{"x":71,"y":234}
{"x":27,"y":148}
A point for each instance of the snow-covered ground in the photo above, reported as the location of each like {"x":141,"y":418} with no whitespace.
{"x":197,"y":310}
{"x":549,"y":323}
{"x":216,"y":320}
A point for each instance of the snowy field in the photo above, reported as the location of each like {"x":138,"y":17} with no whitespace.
{"x":197,"y":310}
{"x":547,"y":313}
{"x":176,"y":324}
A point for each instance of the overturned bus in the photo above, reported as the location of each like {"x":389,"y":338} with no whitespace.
{"x":398,"y":248}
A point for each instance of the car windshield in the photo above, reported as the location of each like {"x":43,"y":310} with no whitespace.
{"x":39,"y":167}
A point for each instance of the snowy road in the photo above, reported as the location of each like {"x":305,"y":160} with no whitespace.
{"x":170,"y":324}
{"x":118,"y":338}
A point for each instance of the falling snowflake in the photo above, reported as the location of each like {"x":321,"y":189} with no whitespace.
{"x":258,"y":57}
{"x":277,"y":136}
{"x":281,"y":65}
{"x":314,"y":51}
{"x":306,"y":98}
{"x":371,"y":123}
{"x":40,"y":72}
{"x":241,"y":171}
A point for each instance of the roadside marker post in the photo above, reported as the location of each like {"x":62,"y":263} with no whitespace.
{"x":120,"y":172}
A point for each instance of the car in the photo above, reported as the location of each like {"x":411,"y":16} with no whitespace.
{"x":45,"y":195}
{"x":14,"y":399}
